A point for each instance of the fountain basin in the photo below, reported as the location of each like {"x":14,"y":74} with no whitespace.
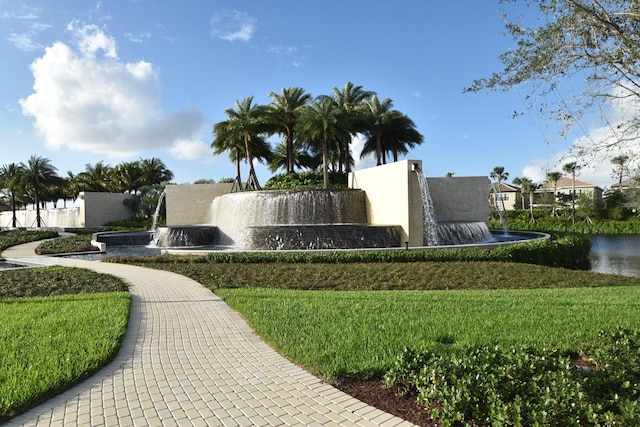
{"x":184,"y":236}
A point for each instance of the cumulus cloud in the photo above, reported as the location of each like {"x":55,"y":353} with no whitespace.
{"x":191,"y":150}
{"x":86,"y":99}
{"x":233,"y":25}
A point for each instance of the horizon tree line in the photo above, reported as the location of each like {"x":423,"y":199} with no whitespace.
{"x":316,"y":132}
{"x":37,"y":182}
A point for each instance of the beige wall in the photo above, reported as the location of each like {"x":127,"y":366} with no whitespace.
{"x":89,"y":210}
{"x":188,"y":204}
{"x":392,"y":197}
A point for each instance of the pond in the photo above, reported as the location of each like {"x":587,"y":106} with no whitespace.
{"x":616,"y":254}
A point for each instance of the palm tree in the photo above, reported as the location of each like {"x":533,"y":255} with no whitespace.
{"x":154,"y":172}
{"x":554,"y":177}
{"x":499,"y":175}
{"x":223,"y":141}
{"x":96,"y":177}
{"x":572,"y":168}
{"x":247,"y":123}
{"x":530,"y":187}
{"x":350,"y":99}
{"x":398,"y":135}
{"x":10,"y":179}
{"x":376,"y":114}
{"x":127,"y":177}
{"x":38,"y":173}
{"x":324,"y":121}
{"x":283,"y":115}
{"x":302,"y":159}
{"x":522,"y":182}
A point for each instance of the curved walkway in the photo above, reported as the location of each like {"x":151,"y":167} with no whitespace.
{"x":188,"y":359}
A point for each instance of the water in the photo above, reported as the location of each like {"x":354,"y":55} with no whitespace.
{"x":156,"y":214}
{"x":430,"y":227}
{"x":616,"y":254}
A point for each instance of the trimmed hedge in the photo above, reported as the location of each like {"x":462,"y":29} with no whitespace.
{"x":571,"y":251}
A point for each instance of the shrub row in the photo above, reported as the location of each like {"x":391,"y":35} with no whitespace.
{"x":15,"y":237}
{"x":571,"y":251}
{"x":527,"y":386}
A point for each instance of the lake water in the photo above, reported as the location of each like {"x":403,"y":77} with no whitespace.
{"x":616,"y":254}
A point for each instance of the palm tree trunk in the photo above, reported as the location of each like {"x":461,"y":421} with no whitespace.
{"x":378,"y":150}
{"x":14,"y":219}
{"x":325,"y":164}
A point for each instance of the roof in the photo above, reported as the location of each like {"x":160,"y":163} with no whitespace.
{"x":504,"y":188}
{"x":567,"y":183}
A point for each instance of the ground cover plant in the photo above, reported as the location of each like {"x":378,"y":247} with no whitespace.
{"x":58,"y":325}
{"x":15,"y":237}
{"x":65,"y":245}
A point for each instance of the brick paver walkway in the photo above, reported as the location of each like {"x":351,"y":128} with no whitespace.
{"x":188,"y":359}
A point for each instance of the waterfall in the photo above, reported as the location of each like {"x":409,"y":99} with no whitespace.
{"x":430,"y":225}
{"x":156,"y":214}
{"x":503,"y":221}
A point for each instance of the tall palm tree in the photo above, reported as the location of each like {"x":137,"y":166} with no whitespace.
{"x":554,"y":177}
{"x":621,"y":167}
{"x":283,"y":115}
{"x":247,"y":123}
{"x":377,"y":114}
{"x":38,"y":172}
{"x":522,"y":182}
{"x":324,"y":121}
{"x":499,"y":175}
{"x":350,"y":98}
{"x":11,"y":179}
{"x":572,"y":168}
{"x":224,"y":141}
{"x":302,"y":159}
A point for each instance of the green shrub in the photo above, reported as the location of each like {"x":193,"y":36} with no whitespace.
{"x":64,"y":245}
{"x":526,"y":386}
{"x":16,"y":237}
{"x":305,"y":180}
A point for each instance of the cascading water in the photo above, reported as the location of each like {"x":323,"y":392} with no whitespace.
{"x":503,"y":221}
{"x":156,"y":214}
{"x":430,"y":225}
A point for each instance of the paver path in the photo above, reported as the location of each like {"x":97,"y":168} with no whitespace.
{"x":188,"y":359}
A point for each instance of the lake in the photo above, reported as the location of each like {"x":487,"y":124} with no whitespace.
{"x":616,"y":254}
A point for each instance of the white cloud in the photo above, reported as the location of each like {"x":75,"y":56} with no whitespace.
{"x":357,"y":144}
{"x":233,"y":25}
{"x":24,"y":41}
{"x":99,"y":104}
{"x":191,"y":150}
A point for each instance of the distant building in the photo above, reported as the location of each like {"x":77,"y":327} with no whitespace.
{"x":508,"y":194}
{"x":566,"y":186}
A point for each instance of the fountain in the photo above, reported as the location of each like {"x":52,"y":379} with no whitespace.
{"x":389,"y":206}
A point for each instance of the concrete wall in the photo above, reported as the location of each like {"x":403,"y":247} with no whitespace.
{"x":393,"y":197}
{"x":100,"y":208}
{"x":88,"y":211}
{"x":188,"y":204}
{"x":460,"y":199}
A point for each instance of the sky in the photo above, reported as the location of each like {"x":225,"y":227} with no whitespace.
{"x":120,"y":80}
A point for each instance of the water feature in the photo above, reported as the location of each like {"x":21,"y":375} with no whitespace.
{"x":430,"y":235}
{"x":156,"y":214}
{"x":503,"y":220}
{"x":616,"y":254}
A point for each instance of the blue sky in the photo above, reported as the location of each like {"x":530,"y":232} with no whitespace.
{"x":127,"y":79}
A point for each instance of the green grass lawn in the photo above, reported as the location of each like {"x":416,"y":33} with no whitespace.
{"x":347,"y":334}
{"x":58,"y":325}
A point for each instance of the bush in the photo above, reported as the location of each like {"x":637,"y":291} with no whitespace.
{"x":305,"y":181}
{"x":527,"y":386}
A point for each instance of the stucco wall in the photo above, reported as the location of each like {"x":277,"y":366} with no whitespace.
{"x":188,"y":204}
{"x":393,"y":197}
{"x":89,"y":210}
{"x":460,"y":199}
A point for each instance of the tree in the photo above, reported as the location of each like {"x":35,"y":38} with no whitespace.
{"x":127,"y":177}
{"x":591,"y":46}
{"x":247,"y":123}
{"x":527,"y":186}
{"x":499,"y":175}
{"x":324,"y":121}
{"x":38,"y":173}
{"x":377,"y":114}
{"x":98,"y":177}
{"x":621,"y":168}
{"x":571,"y":168}
{"x":554,"y":177}
{"x":350,"y":99}
{"x":154,"y":172}
{"x":398,"y":135}
{"x":302,"y":159}
{"x":283,"y":114}
{"x":521,"y":182}
{"x":11,"y":176}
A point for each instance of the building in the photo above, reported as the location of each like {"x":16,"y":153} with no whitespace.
{"x":566,"y":186}
{"x":508,"y":197}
